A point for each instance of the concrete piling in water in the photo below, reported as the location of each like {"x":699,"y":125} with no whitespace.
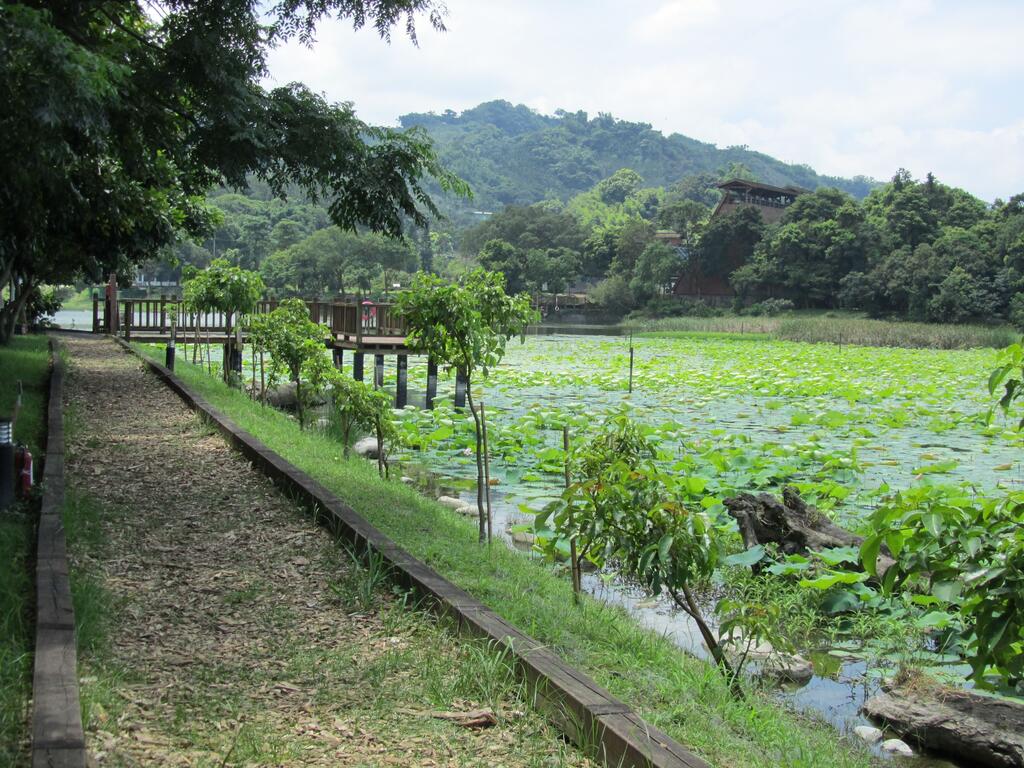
{"x":431,"y":383}
{"x":402,"y":385}
{"x":357,"y":366}
{"x":378,"y":371}
{"x":339,"y":357}
{"x":460,"y":388}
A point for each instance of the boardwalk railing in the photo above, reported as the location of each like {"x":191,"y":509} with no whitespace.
{"x":349,"y":321}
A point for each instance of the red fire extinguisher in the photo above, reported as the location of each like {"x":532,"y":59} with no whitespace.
{"x":23,"y":466}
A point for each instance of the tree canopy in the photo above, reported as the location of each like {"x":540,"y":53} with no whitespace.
{"x":118,"y":119}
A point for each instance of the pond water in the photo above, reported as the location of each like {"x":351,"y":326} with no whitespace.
{"x":743,"y":414}
{"x":74,"y":319}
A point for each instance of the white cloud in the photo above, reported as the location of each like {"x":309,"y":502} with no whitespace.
{"x":846,"y":88}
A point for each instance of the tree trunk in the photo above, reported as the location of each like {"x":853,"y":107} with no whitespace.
{"x":689,"y":605}
{"x":382,"y":462}
{"x":481,"y":515}
{"x":298,"y":402}
{"x":793,"y":524}
{"x":11,"y":310}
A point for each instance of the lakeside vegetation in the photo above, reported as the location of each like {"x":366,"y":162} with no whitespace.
{"x":669,"y":688}
{"x":836,"y":330}
{"x":26,"y":360}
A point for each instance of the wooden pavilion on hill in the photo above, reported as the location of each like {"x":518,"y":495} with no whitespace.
{"x":771,"y":202}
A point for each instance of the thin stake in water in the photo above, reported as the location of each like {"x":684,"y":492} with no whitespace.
{"x":487,"y":470}
{"x":574,"y":562}
{"x":630,"y":363}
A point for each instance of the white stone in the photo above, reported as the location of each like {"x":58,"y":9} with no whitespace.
{"x":868,"y":733}
{"x":408,"y":480}
{"x":450,"y":501}
{"x":367,"y":448}
{"x":523,"y":537}
{"x":769,"y":661}
{"x":469,"y":510}
{"x":897,"y":747}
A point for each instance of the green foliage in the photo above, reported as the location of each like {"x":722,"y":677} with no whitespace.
{"x":222,"y":288}
{"x":465,"y":325}
{"x":331,"y":262}
{"x":614,"y":294}
{"x":623,"y":507}
{"x":296,"y":346}
{"x":356,"y":405}
{"x":620,"y":185}
{"x":654,"y":270}
{"x":117,"y":121}
{"x":961,"y":555}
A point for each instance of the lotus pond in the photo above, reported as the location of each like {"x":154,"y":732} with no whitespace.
{"x":845,"y":425}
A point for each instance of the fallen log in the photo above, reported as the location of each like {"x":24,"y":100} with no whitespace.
{"x":792,"y":523}
{"x":980,"y":730}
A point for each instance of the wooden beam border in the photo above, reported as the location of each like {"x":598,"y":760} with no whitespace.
{"x":58,"y":740}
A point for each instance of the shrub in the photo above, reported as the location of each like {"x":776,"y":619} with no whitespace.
{"x":769,"y":307}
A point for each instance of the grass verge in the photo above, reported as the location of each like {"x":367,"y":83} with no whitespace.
{"x":684,"y":696}
{"x":836,"y":330}
{"x":25,"y":359}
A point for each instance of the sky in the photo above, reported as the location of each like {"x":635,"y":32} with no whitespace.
{"x":846,"y":87}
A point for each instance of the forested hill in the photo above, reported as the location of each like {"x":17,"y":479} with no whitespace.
{"x":514,"y":155}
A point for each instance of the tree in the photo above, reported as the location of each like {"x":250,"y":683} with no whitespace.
{"x":620,"y":185}
{"x":622,"y":507}
{"x":822,"y":237}
{"x":465,"y":325}
{"x":655,"y":268}
{"x":117,"y":121}
{"x":296,"y":346}
{"x":331,"y":261}
{"x":358,"y":405}
{"x":226,"y":289}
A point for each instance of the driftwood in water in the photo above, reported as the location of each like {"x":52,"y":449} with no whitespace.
{"x":792,"y":524}
{"x":980,"y":730}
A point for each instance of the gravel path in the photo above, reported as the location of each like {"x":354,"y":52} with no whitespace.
{"x":234,"y":631}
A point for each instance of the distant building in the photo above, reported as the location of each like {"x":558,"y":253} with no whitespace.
{"x":770,"y":201}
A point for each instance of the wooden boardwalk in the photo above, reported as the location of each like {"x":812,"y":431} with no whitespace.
{"x":366,"y":327}
{"x":361,"y":328}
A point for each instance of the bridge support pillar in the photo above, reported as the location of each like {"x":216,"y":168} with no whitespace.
{"x":402,"y":385}
{"x":339,"y":357}
{"x":378,"y":371}
{"x":357,"y":366}
{"x":460,"y":388}
{"x":431,"y":383}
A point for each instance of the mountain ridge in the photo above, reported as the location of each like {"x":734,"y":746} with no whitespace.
{"x":513,"y":155}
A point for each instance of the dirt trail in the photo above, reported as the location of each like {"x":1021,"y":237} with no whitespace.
{"x":235,"y":631}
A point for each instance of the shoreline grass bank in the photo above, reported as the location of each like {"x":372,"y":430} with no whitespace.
{"x":682,"y":695}
{"x":834,"y":330}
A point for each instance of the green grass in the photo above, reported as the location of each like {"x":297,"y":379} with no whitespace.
{"x":78,"y":301}
{"x":25,"y":359}
{"x":816,"y":328}
{"x":684,"y":696}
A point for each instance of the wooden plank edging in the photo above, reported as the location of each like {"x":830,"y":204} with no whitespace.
{"x":58,"y":740}
{"x":589,"y":715}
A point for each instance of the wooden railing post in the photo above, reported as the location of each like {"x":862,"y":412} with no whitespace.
{"x":128,"y":311}
{"x":95,"y":313}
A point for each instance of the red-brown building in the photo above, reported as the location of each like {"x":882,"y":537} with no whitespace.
{"x":770,"y":201}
